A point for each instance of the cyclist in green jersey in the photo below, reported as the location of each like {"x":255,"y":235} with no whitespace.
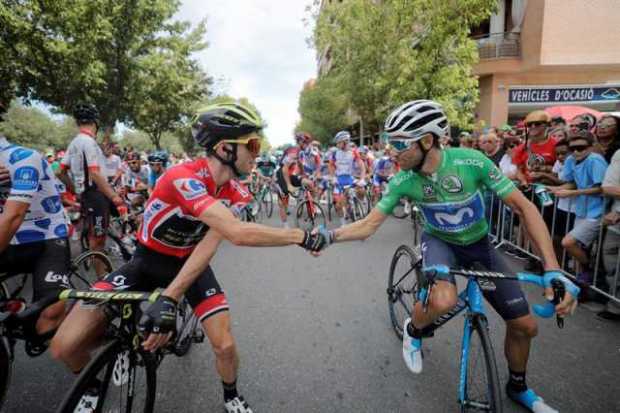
{"x":448,"y":187}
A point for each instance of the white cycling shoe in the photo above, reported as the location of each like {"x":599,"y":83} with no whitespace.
{"x":412,"y":350}
{"x":237,"y":405}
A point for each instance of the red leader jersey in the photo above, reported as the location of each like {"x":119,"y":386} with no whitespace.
{"x":170,"y":224}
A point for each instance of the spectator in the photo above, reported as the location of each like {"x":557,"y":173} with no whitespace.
{"x":465,"y":140}
{"x":607,"y":136}
{"x":537,"y":153}
{"x":492,"y":147}
{"x":558,"y":134}
{"x":611,"y":243}
{"x":584,"y":121}
{"x":503,"y":131}
{"x":558,"y":122}
{"x":506,"y":165}
{"x":583,"y":173}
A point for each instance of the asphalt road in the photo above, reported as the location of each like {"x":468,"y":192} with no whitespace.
{"x":314,"y":336}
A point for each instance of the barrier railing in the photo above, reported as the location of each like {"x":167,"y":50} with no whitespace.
{"x":505,"y":231}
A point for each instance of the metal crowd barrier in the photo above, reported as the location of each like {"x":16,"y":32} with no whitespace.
{"x":505,"y":232}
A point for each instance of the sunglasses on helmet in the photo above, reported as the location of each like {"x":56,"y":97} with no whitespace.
{"x":252,"y":144}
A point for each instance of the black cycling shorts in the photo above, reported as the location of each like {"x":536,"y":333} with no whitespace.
{"x":149,"y":270}
{"x":507,"y":298}
{"x":48,"y":261}
{"x":96,"y":209}
{"x":283,"y":188}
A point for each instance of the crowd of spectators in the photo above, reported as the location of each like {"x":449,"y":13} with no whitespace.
{"x":577,"y":161}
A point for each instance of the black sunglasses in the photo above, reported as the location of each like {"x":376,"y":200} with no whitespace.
{"x":535,"y":124}
{"x":578,"y":148}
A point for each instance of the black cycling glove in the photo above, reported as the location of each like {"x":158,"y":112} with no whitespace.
{"x":314,"y":242}
{"x":160,"y":317}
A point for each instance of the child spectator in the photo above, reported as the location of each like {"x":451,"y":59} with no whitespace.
{"x":583,"y":173}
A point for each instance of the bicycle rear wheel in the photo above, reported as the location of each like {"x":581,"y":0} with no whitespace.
{"x":268,"y":203}
{"x":187,"y":329}
{"x":402,"y":286}
{"x":309,"y":216}
{"x":123,"y":379}
{"x":83,"y":268}
{"x":482,"y":388}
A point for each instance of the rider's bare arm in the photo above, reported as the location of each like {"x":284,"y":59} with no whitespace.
{"x":362,"y":229}
{"x":10,"y":220}
{"x":536,"y":227}
{"x":218,"y":217}
{"x":194,"y":266}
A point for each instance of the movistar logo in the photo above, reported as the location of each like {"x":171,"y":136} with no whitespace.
{"x":444,"y":218}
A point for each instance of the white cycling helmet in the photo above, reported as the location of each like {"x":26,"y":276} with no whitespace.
{"x":415,"y":119}
{"x":342,"y":136}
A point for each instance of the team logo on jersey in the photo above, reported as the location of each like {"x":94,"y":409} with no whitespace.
{"x":454,"y":216}
{"x":242,"y":191}
{"x":19,"y":154}
{"x":190,"y":188}
{"x":52,"y":204}
{"x":26,"y":178}
{"x":428,"y":190}
{"x":43,"y":223}
{"x":452,"y":184}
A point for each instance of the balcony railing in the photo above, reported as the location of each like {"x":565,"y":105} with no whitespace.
{"x":497,"y":45}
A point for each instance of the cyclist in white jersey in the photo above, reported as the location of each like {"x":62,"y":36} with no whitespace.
{"x":343,"y":160}
{"x":33,"y":229}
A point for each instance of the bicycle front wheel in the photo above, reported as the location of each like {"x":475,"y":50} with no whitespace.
{"x":402,"y":286}
{"x":85,"y":266}
{"x":482,"y":388}
{"x":308,"y":215}
{"x":118,"y":379}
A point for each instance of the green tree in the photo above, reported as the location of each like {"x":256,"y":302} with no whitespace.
{"x":32,"y":127}
{"x":102,"y":51}
{"x":322,"y":109}
{"x":385,"y":53}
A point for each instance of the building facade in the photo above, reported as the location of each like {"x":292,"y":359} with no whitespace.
{"x":541,"y":53}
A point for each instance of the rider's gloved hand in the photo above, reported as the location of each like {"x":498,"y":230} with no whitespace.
{"x":314,"y":241}
{"x":159,"y":321}
{"x":569,"y":303}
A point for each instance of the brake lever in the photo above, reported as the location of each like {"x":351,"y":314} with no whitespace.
{"x":559,"y":291}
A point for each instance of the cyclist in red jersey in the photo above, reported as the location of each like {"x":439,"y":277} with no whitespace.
{"x":187,"y":216}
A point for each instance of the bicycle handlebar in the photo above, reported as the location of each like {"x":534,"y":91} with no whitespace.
{"x":555,"y":280}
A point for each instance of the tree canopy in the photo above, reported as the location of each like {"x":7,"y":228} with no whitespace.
{"x":385,"y":53}
{"x":128,"y":57}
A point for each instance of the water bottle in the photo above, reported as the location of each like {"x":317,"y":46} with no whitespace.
{"x":543,"y":195}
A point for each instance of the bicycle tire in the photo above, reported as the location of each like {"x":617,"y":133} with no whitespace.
{"x":357,"y":210}
{"x":479,"y":328}
{"x":6,"y":369}
{"x":83,"y":273}
{"x":402,"y":287}
{"x":268,"y":203}
{"x":106,"y":361}
{"x":330,"y":204}
{"x":306,"y":222}
{"x":187,"y":322}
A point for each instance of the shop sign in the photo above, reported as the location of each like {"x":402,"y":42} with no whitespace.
{"x":573,"y":94}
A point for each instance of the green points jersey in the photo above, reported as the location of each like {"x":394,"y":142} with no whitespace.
{"x":451,"y":201}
